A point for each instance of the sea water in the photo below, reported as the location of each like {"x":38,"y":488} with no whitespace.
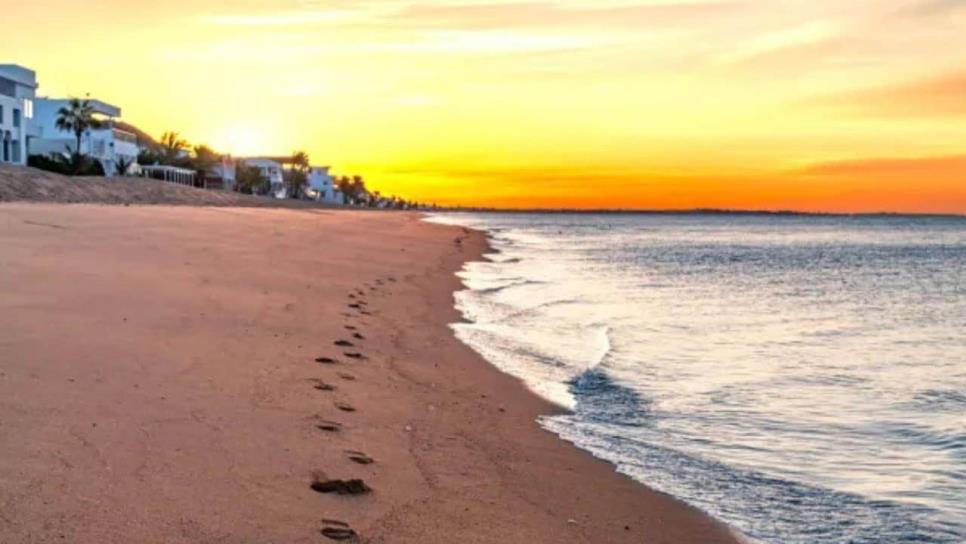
{"x":802,"y":378}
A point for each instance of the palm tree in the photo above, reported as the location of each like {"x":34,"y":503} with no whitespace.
{"x":122,"y":165}
{"x":204,"y":160}
{"x":301,"y":160}
{"x":77,"y":117}
{"x":299,"y":175}
{"x":172,"y":147}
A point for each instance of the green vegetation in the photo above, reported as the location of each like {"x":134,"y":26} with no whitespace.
{"x":296,"y":178}
{"x":76,"y":165}
{"x":77,"y":117}
{"x":249,"y":180}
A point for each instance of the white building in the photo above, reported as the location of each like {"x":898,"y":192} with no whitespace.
{"x":271,"y":169}
{"x":173,"y":174}
{"x":322,"y":185}
{"x":18,"y":86}
{"x":109,"y":146}
{"x":222,"y":175}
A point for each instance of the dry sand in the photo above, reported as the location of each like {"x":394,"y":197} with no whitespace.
{"x":157,"y":384}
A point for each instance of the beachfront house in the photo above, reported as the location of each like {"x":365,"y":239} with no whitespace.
{"x":116,"y":150}
{"x":321,"y":185}
{"x":18,"y":87}
{"x":271,"y":169}
{"x":222,"y":174}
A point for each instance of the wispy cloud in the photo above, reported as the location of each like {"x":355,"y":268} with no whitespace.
{"x":937,"y":96}
{"x":809,"y":37}
{"x":937,"y":7}
{"x":542,"y":14}
{"x":284,"y":18}
{"x":927,"y":168}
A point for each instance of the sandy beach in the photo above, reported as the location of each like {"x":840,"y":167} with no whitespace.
{"x":185,"y":374}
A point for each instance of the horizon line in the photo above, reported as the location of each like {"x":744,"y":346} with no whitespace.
{"x":695,"y":211}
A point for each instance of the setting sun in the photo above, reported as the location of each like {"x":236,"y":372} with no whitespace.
{"x":571,"y":103}
{"x":240,"y":141}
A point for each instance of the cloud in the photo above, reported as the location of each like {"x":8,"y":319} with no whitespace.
{"x":533,"y":14}
{"x":805,"y":39}
{"x":942,"y":95}
{"x":936,"y":7}
{"x":283,"y":18}
{"x":925,"y":168}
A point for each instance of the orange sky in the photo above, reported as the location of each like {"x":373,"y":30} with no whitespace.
{"x":846,"y":105}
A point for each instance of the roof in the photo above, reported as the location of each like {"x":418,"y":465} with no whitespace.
{"x":99,"y":106}
{"x":19,"y":74}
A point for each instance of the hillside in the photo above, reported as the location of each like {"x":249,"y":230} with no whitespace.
{"x":31,"y":185}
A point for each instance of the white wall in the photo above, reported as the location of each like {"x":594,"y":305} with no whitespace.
{"x":17,"y":90}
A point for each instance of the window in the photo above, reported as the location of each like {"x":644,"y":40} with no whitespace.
{"x":1,"y":115}
{"x":28,"y":108}
{"x":16,"y":118}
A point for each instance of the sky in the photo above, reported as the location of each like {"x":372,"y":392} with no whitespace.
{"x":810,"y":105}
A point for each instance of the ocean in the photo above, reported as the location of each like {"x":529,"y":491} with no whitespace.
{"x":802,"y":378}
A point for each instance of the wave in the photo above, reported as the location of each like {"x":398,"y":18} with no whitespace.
{"x":510,"y":285}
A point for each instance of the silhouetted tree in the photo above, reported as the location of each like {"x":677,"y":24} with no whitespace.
{"x":77,"y":117}
{"x":297,"y":177}
{"x":249,"y":180}
{"x":172,"y":148}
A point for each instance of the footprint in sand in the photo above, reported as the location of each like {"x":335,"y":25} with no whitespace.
{"x":346,"y":376}
{"x":328,"y":426}
{"x":323,"y":386}
{"x":354,"y":486}
{"x":354,"y":306}
{"x":337,"y":530}
{"x":326,"y":360}
{"x":359,"y":457}
{"x":350,"y":327}
{"x":345,"y":407}
{"x":358,"y":336}
{"x":343,"y":343}
{"x":354,"y":355}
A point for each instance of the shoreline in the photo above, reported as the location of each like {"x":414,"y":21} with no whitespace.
{"x":178,"y":400}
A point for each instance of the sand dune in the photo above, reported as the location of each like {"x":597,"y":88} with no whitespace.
{"x":21,"y":184}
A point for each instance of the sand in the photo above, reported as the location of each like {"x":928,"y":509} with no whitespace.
{"x":159,"y":383}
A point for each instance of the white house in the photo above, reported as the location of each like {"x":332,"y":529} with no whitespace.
{"x":109,"y":146}
{"x":322,"y":185}
{"x":222,"y":175}
{"x":18,"y":86}
{"x":271,"y":169}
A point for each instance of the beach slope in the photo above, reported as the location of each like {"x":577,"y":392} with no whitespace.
{"x":186,"y":374}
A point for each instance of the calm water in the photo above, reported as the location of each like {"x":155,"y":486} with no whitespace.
{"x":802,"y":378}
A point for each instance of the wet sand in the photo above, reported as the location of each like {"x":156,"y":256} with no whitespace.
{"x":239,"y":375}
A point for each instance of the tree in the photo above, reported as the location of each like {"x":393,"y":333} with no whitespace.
{"x":298,"y":175}
{"x":122,"y":165}
{"x":203,"y":160}
{"x":148,"y":156}
{"x":77,"y":117}
{"x":249,"y":180}
{"x":172,"y":148}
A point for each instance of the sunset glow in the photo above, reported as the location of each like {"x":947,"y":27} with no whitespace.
{"x":804,"y":104}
